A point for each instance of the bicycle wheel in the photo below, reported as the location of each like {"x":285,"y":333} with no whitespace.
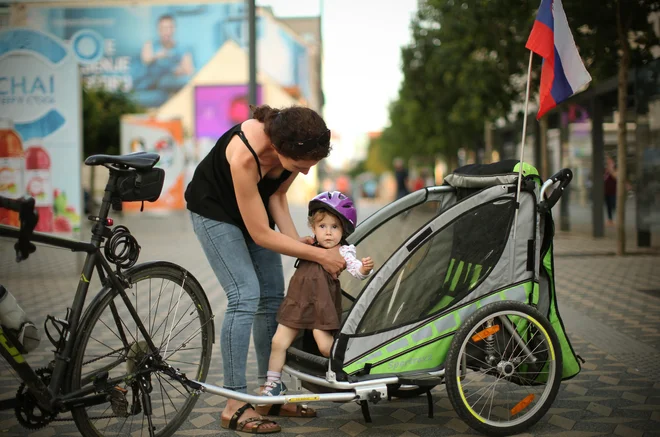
{"x":503,"y":368}
{"x":174,"y":310}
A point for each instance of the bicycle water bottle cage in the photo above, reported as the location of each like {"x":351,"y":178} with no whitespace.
{"x":61,"y":327}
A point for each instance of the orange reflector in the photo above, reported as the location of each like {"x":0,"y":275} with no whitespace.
{"x":522,"y":404}
{"x":485,"y":333}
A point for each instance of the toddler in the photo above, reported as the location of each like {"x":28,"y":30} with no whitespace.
{"x":313,"y":299}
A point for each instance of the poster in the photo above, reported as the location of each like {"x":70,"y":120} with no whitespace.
{"x":218,"y":108}
{"x":153,"y":51}
{"x":40,"y":128}
{"x":141,"y":133}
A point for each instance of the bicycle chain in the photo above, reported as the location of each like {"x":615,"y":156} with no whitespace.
{"x":102,"y":356}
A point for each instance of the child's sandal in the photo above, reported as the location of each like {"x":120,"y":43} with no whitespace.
{"x":272,"y":388}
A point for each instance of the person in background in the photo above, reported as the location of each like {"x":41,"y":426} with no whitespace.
{"x":401,"y":177}
{"x":610,"y":189}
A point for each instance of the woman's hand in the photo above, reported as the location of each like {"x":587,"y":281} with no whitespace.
{"x":306,"y":239}
{"x":333,"y":262}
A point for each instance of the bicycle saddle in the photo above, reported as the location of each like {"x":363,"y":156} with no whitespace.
{"x":138,"y":160}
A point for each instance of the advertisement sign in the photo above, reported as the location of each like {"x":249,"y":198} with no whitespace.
{"x":154,"y":51}
{"x":165,"y":137}
{"x":40,"y":131}
{"x":218,"y":108}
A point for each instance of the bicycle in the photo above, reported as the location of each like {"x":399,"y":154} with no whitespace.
{"x":106,"y":385}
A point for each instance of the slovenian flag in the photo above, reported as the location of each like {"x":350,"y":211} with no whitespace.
{"x":563,"y":73}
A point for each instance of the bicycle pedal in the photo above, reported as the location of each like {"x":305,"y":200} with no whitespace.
{"x":118,"y":401}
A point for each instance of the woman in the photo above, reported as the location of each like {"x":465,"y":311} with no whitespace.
{"x":610,"y":189}
{"x":236,"y":196}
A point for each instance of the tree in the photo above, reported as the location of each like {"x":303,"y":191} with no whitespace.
{"x":102,"y":111}
{"x":462,"y":69}
{"x":612,"y":41}
{"x":467,"y":65}
{"x":376,"y":161}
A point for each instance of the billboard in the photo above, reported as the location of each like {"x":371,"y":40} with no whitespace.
{"x":154,"y":51}
{"x":218,"y":108}
{"x":40,"y":128}
{"x":141,"y":133}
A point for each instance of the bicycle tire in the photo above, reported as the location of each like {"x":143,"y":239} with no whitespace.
{"x":159,"y":272}
{"x":463,"y":338}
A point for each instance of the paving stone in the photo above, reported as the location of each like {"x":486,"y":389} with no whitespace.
{"x":203,"y":420}
{"x":599,"y":409}
{"x":457,"y":425}
{"x":574,"y":388}
{"x":402,"y":415}
{"x":353,"y":428}
{"x":633,"y":397}
{"x":561,"y":422}
{"x":609,"y":380}
{"x":626,"y":431}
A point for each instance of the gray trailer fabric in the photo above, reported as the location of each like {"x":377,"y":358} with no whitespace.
{"x":479,"y":181}
{"x":512,"y":266}
{"x":445,"y":195}
{"x":359,"y":345}
{"x":382,"y":276}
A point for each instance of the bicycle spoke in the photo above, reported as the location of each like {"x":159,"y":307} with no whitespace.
{"x":175,"y":311}
{"x":179,"y":331}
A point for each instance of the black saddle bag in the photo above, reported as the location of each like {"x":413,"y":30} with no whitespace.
{"x":140,"y":186}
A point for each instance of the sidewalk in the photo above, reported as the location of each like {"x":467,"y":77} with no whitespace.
{"x":610,"y":306}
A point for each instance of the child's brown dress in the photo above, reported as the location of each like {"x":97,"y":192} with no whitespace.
{"x":313,"y":299}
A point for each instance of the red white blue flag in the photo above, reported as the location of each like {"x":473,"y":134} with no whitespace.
{"x":563,"y":73}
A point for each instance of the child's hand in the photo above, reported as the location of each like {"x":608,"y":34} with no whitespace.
{"x":367,"y":265}
{"x":307,"y":239}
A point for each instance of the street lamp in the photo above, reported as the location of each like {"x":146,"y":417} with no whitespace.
{"x":252,"y":53}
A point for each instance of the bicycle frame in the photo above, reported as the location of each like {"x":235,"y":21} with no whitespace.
{"x":49,"y":396}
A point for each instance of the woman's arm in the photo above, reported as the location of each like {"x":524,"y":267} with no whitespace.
{"x":245,"y":176}
{"x":279,"y":209}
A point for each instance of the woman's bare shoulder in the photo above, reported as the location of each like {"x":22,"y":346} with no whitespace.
{"x":255,"y":134}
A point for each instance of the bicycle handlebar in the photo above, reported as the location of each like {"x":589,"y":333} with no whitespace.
{"x":28,"y":218}
{"x":11,"y":204}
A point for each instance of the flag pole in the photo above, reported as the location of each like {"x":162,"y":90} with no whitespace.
{"x":522,"y":145}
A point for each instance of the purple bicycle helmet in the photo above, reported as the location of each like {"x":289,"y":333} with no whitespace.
{"x":339,"y":204}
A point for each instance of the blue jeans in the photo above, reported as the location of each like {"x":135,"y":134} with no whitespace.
{"x":253,"y":280}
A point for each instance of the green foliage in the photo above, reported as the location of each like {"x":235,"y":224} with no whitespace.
{"x":594,"y":25}
{"x":102,"y":111}
{"x":462,"y":68}
{"x":467,"y":64}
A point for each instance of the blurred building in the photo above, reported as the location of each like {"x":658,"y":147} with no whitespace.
{"x":187,"y":59}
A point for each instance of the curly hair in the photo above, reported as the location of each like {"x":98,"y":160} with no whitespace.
{"x":296,"y":132}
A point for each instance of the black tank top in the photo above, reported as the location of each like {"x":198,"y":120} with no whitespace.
{"x":211,"y":193}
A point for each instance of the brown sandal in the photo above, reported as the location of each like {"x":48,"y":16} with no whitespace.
{"x":277,"y":410}
{"x":234,"y":425}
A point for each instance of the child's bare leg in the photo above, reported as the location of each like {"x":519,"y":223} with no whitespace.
{"x":324,"y":340}
{"x":282,"y":339}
